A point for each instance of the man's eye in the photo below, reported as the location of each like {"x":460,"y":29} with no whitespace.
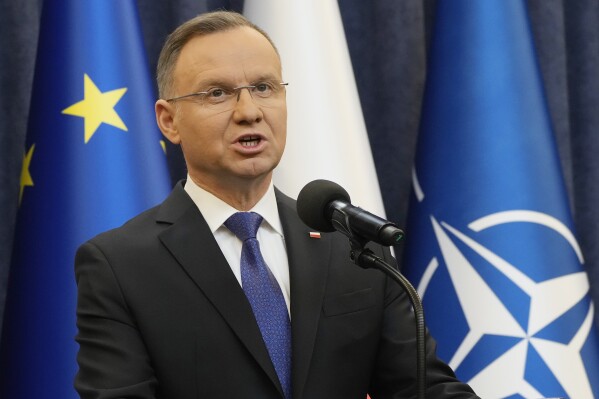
{"x":263,"y":88}
{"x":216,"y":92}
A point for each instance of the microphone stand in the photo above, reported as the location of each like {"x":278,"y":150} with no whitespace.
{"x":366,"y":259}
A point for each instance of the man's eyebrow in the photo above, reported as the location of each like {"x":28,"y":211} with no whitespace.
{"x":267,"y":77}
{"x":206,"y":84}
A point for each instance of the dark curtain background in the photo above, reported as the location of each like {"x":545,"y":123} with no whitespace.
{"x":388,"y":45}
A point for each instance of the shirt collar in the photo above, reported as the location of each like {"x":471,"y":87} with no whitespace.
{"x":217,"y":211}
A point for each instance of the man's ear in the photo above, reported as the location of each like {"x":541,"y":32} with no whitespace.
{"x":165,"y":117}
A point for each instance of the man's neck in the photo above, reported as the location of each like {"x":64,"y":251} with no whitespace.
{"x":242,"y":195}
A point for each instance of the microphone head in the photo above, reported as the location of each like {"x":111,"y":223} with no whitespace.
{"x":313,"y":203}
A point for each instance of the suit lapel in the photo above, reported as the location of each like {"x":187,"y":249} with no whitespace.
{"x":308,"y":267}
{"x":207,"y":267}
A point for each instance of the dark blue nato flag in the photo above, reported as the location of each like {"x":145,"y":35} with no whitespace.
{"x":93,"y":159}
{"x":491,"y":244}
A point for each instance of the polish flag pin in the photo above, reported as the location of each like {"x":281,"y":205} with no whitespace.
{"x":314,"y":234}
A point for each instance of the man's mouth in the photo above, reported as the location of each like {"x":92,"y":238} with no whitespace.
{"x":250,"y":141}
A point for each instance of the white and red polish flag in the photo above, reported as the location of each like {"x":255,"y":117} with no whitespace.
{"x":326,"y":135}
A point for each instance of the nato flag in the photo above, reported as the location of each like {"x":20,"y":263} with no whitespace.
{"x":491,"y":245}
{"x":93,"y":159}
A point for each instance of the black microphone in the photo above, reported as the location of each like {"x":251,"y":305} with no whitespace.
{"x":326,"y":206}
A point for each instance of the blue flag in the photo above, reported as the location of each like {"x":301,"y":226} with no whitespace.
{"x":93,"y":159}
{"x":491,"y":245}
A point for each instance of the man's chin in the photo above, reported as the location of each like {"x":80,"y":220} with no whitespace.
{"x":256,"y":169}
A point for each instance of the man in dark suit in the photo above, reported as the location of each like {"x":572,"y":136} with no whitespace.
{"x":165,"y":306}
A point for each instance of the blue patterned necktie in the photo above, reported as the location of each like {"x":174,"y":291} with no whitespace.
{"x":264,"y":295}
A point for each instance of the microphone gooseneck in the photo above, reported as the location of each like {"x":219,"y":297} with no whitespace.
{"x":326,"y":206}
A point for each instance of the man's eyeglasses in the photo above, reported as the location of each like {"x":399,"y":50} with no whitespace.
{"x":267,"y":94}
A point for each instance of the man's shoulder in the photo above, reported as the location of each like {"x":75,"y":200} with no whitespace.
{"x":151,"y":221}
{"x":138,"y":226}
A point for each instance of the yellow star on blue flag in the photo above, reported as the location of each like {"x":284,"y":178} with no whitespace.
{"x":26,"y":179}
{"x":97,"y":108}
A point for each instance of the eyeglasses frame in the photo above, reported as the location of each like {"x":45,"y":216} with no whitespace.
{"x":235,"y":89}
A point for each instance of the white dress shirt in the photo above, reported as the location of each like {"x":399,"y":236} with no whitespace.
{"x":270,"y":233}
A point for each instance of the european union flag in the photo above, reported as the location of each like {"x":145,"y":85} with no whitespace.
{"x":93,"y":159}
{"x":491,"y":244}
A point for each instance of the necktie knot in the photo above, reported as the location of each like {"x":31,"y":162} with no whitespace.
{"x":244,"y":224}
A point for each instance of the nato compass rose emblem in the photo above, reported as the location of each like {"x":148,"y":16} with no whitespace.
{"x":504,"y":324}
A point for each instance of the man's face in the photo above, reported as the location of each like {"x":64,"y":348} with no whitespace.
{"x":211,"y":138}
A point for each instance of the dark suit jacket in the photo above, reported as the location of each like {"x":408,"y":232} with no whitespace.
{"x":161,"y":315}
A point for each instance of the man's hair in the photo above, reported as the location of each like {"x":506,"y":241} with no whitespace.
{"x":204,"y":24}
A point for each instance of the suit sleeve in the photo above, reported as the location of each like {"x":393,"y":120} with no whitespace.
{"x":395,"y":371}
{"x":113,"y":360}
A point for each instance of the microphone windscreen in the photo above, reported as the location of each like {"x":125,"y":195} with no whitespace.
{"x":313,"y":203}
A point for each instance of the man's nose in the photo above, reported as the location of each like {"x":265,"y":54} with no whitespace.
{"x":246,"y":110}
{"x":240,"y":89}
